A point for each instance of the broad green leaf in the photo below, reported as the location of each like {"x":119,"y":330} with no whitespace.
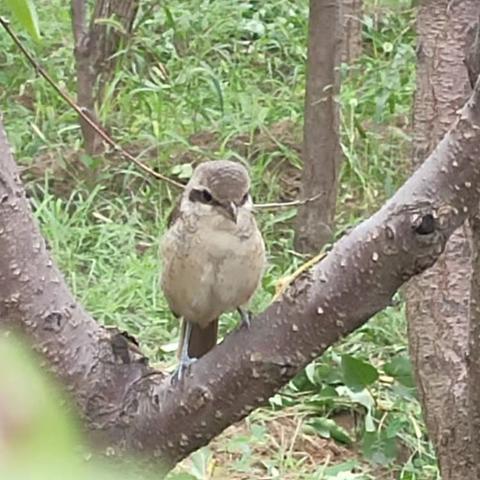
{"x":183,"y":171}
{"x":201,"y":460}
{"x":328,"y":428}
{"x":24,"y":11}
{"x":379,"y":448}
{"x":344,"y":467}
{"x":255,"y":27}
{"x":358,"y":374}
{"x":310,"y":372}
{"x":400,"y":368}
{"x":363,"y":397}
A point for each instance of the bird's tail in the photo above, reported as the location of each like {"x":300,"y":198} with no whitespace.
{"x":201,"y":341}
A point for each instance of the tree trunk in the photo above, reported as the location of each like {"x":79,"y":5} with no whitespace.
{"x":473,"y":363}
{"x":352,"y":27}
{"x":438,"y":301}
{"x":94,"y":48}
{"x":86,"y":75}
{"x":128,"y":406}
{"x":321,"y":144}
{"x":108,"y":40}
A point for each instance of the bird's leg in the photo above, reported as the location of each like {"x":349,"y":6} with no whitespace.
{"x":185,"y":359}
{"x":245,"y":317}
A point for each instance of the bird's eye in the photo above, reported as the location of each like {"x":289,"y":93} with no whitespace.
{"x":206,"y":196}
{"x":201,"y":195}
{"x":244,"y":199}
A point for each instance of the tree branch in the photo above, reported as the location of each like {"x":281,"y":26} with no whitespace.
{"x":128,"y":406}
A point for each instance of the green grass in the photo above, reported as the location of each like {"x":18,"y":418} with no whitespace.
{"x":232,"y":76}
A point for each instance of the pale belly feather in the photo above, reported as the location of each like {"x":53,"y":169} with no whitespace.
{"x":213,"y":272}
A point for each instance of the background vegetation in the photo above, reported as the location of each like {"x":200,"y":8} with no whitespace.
{"x":208,"y":80}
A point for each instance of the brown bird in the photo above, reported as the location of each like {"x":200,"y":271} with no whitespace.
{"x":213,"y":255}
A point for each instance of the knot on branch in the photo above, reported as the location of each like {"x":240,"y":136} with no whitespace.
{"x":124,"y":345}
{"x":426,"y":226}
{"x":53,"y":321}
{"x":430,"y":236}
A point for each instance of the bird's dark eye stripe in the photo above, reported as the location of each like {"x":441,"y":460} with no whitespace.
{"x":202,"y":196}
{"x":244,"y":199}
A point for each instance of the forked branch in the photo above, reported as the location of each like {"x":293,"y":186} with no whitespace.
{"x":130,"y":407}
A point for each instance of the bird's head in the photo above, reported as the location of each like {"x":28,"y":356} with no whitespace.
{"x":220,"y":186}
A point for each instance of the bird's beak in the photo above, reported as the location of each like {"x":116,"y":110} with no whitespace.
{"x":232,"y":211}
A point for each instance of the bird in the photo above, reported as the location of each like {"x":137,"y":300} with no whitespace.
{"x":213,"y":256}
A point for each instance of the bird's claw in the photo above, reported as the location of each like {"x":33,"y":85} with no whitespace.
{"x":246,"y":318}
{"x":179,"y":372}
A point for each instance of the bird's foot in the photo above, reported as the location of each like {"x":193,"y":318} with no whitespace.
{"x":180,"y":371}
{"x":245,"y":317}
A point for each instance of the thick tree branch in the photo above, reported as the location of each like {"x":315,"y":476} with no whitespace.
{"x":130,"y":407}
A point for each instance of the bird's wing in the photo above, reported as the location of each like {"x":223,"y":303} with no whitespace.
{"x":175,"y":213}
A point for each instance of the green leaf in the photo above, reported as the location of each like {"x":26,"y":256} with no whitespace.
{"x":358,"y":374}
{"x":369,"y":423}
{"x":362,"y":397}
{"x":379,"y":448}
{"x":255,"y":27}
{"x":344,"y":467}
{"x":400,"y":368}
{"x":328,"y":428}
{"x":183,"y":171}
{"x":200,"y":461}
{"x":24,"y":11}
{"x":310,"y":373}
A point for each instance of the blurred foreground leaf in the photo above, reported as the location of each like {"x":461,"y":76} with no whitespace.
{"x":24,"y":11}
{"x":39,"y":440}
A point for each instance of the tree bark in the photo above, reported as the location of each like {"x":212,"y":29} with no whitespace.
{"x":352,"y":27}
{"x":128,"y":406}
{"x":321,"y":143}
{"x":438,"y":301}
{"x":95,"y":45}
{"x":108,"y":40}
{"x":473,"y":359}
{"x":86,"y":76}
{"x":473,"y":349}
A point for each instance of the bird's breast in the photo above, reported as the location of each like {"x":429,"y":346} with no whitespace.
{"x":216,"y":269}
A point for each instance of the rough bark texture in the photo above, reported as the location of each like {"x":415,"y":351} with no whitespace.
{"x":472,"y":60}
{"x":95,"y":45}
{"x":438,"y":300}
{"x":86,"y":75}
{"x":321,"y":144}
{"x":352,"y":28}
{"x":107,"y":40}
{"x":128,"y":406}
{"x":473,"y":363}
